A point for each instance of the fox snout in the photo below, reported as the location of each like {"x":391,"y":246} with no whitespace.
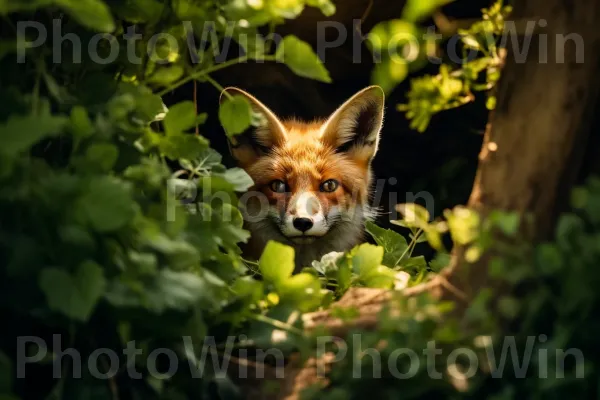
{"x":304,"y":216}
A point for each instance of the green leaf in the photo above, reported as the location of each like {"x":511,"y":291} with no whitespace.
{"x":93,"y":14}
{"x":10,"y":6}
{"x":389,"y":73}
{"x":180,"y":117}
{"x":393,"y":243}
{"x":207,"y":159}
{"x":548,"y":258}
{"x":509,"y":306}
{"x":138,"y":11}
{"x":396,"y":31}
{"x":344,"y":275}
{"x":417,"y":10}
{"x":508,"y":222}
{"x":569,"y":226}
{"x":248,"y":288}
{"x":301,"y":59}
{"x":103,"y":155}
{"x":185,"y":145}
{"x":276,"y":263}
{"x":286,"y":9}
{"x":365,"y":258}
{"x":21,"y":132}
{"x":470,"y":42}
{"x":230,"y":231}
{"x":81,"y":125}
{"x":239,"y":179}
{"x":439,"y":262}
{"x":148,"y":106}
{"x":326,"y":6}
{"x":417,"y":263}
{"x":253,"y":44}
{"x":166,"y":75}
{"x":413,"y":215}
{"x":107,"y":204}
{"x":73,"y":295}
{"x":235,"y":114}
{"x":379,"y":277}
{"x":187,"y":10}
{"x":168,"y":290}
{"x":58,"y":92}
{"x":302,"y":291}
{"x":463,"y":224}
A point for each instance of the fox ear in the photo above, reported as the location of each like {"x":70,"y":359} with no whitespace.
{"x":354,"y":127}
{"x":266,"y":130}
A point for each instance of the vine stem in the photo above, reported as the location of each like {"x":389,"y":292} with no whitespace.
{"x":196,"y":129}
{"x":209,"y":70}
{"x":277,"y":324}
{"x":216,"y":84}
{"x":410,"y":246}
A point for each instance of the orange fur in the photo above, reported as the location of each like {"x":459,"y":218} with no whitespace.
{"x":304,"y":155}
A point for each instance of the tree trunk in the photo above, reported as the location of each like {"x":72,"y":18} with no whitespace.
{"x":532,"y":151}
{"x":534,"y":144}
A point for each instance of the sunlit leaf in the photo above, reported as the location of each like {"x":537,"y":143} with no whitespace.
{"x":366,"y":257}
{"x":395,"y":32}
{"x":379,"y":277}
{"x":394,"y":244}
{"x":414,"y":215}
{"x":235,"y":114}
{"x":302,"y":290}
{"x":463,"y":224}
{"x":166,"y":75}
{"x":180,"y":117}
{"x":389,"y":73}
{"x":417,"y":10}
{"x":276,"y":263}
{"x":301,"y":59}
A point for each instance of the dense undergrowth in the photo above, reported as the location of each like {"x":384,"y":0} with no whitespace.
{"x":97,"y":247}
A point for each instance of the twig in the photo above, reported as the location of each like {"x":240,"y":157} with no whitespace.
{"x":197,"y":129}
{"x":211,"y":69}
{"x":364,"y":17}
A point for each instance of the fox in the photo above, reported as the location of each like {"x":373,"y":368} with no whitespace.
{"x":312,"y":180}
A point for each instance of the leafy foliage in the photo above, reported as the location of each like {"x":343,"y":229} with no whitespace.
{"x":430,"y":95}
{"x":458,"y":80}
{"x":103,"y":244}
{"x":515,"y":347}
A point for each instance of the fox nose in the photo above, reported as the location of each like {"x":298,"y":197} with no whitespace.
{"x":303,"y":224}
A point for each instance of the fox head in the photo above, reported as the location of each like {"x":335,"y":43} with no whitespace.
{"x":311,"y":179}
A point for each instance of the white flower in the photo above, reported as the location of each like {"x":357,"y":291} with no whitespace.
{"x":401,"y":280}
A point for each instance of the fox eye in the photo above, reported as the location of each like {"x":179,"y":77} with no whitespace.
{"x":278,"y":186}
{"x":329,"y":185}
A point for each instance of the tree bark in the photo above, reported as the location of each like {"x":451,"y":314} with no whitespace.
{"x":534,"y":144}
